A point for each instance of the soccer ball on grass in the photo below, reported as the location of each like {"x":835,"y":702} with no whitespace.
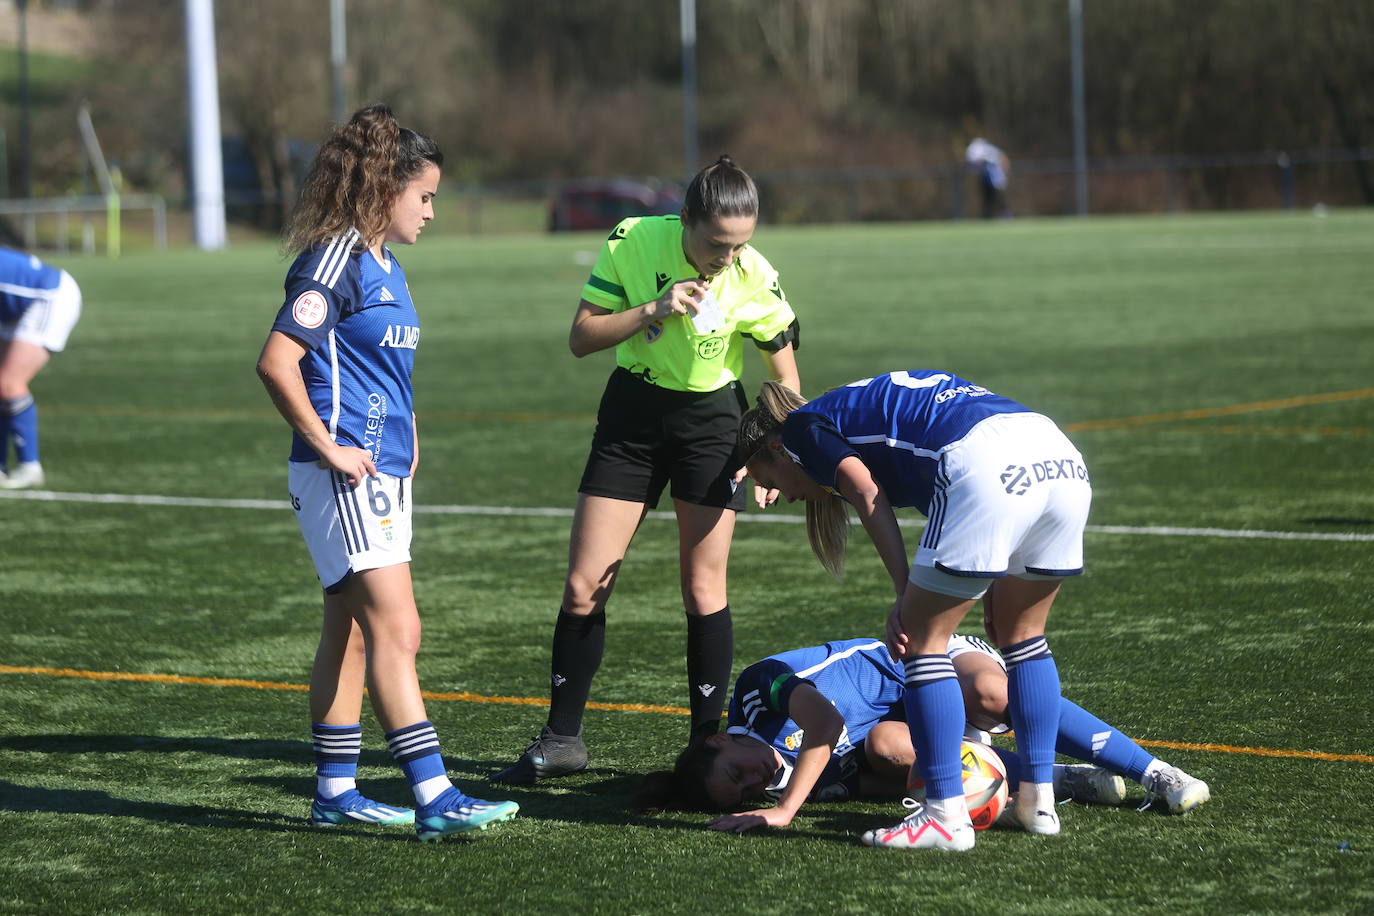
{"x":985,"y":783}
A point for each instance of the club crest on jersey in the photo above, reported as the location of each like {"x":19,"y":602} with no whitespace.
{"x":309,"y":309}
{"x":794,"y":740}
{"x":652,"y":333}
{"x":711,"y":347}
{"x":401,"y":336}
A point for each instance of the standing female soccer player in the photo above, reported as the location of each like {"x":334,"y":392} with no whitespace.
{"x":39,"y":306}
{"x":337,"y":365}
{"x":676,"y":296}
{"x":1007,"y":496}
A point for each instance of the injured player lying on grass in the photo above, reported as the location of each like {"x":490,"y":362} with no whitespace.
{"x":827,"y":723}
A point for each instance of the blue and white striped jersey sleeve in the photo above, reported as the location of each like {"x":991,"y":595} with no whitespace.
{"x":762,"y":693}
{"x":316,"y":291}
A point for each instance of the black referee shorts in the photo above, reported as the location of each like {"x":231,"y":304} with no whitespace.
{"x":647,"y":436}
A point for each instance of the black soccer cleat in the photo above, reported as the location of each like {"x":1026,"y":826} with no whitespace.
{"x":546,"y":757}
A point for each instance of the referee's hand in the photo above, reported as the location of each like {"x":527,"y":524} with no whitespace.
{"x":679,"y":299}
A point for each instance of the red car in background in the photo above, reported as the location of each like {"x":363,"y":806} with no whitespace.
{"x":584,"y":205}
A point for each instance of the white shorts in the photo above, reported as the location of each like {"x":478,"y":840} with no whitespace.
{"x":48,"y":322}
{"x":348,"y":529}
{"x":960,"y":643}
{"x":1011,"y":498}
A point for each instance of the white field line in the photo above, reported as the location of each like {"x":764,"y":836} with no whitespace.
{"x":133,"y":499}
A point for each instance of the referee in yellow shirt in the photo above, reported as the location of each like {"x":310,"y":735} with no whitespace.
{"x":679,"y":298}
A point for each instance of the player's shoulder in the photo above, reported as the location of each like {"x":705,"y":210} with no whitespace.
{"x":644,"y":233}
{"x":329,"y":264}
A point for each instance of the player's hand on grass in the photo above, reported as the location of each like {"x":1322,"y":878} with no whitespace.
{"x":739,"y":823}
{"x":354,"y":463}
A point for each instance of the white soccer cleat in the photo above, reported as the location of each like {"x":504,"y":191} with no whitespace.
{"x":920,"y":830}
{"x":1083,"y":782}
{"x":28,"y":474}
{"x":1179,"y":791}
{"x":1035,"y":809}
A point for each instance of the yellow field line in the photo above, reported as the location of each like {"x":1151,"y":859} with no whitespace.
{"x":1202,"y":413}
{"x":466,"y":697}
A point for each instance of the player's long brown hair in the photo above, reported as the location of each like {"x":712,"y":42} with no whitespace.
{"x":683,"y":788}
{"x":827,"y":523}
{"x":356,"y":177}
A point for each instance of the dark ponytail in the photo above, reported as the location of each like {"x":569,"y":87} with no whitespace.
{"x":720,"y":189}
{"x":681,"y":789}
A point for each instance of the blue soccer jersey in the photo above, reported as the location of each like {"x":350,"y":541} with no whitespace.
{"x":23,"y":280}
{"x":857,"y":676}
{"x":897,"y":424}
{"x":355,"y":316}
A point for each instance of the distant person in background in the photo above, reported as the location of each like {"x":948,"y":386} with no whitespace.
{"x":39,"y":306}
{"x":680,"y":298}
{"x":337,"y":365}
{"x":991,"y":166}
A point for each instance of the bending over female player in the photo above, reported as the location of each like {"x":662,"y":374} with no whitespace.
{"x":39,"y":306}
{"x":1007,"y":496}
{"x":827,"y":722}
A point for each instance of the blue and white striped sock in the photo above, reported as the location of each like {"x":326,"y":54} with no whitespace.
{"x":1033,"y":700}
{"x":337,"y":748}
{"x":416,"y":749}
{"x":935,"y":715}
{"x":1086,"y":737}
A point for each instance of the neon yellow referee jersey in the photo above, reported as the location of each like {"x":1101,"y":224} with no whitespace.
{"x":641,"y":259}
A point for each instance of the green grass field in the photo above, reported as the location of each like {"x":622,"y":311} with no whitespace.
{"x":1214,"y":370}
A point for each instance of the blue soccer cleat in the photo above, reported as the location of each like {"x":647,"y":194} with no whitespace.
{"x":456,"y":813}
{"x":353,"y":808}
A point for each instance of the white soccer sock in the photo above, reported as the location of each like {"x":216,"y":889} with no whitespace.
{"x":1035,"y":796}
{"x":430,"y":789}
{"x":1153,"y":767}
{"x":334,"y":786}
{"x":952,"y":811}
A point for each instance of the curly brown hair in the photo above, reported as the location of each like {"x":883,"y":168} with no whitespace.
{"x":356,"y":176}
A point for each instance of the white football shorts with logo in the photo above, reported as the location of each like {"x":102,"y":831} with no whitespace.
{"x":48,"y":322}
{"x":350,"y":529}
{"x":1011,"y":498}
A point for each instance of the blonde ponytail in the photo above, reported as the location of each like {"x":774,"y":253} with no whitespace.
{"x":827,"y":523}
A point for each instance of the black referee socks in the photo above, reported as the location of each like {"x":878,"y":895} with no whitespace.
{"x":578,"y":644}
{"x":710,"y":652}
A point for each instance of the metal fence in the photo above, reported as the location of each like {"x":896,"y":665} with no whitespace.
{"x":48,"y":222}
{"x":1038,"y":187}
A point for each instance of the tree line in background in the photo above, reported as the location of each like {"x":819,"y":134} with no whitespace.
{"x":521,"y":90}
